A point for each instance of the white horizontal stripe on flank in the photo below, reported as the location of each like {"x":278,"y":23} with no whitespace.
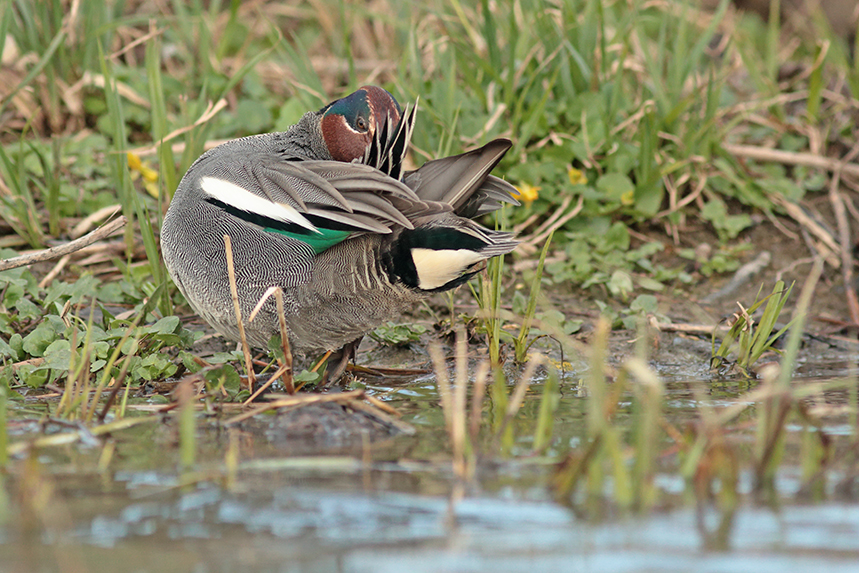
{"x":240,"y":198}
{"x":437,"y":268}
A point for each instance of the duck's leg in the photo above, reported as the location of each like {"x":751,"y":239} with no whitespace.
{"x":338,"y":361}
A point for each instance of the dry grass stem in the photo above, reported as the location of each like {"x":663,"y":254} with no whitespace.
{"x":96,"y":80}
{"x":791,"y":158}
{"x":321,"y":361}
{"x":258,"y":307}
{"x":284,"y":341}
{"x":210,"y":112}
{"x":542,"y":234}
{"x":54,"y":272}
{"x":277,"y":292}
{"x":845,"y":251}
{"x":490,"y":123}
{"x":280,"y":371}
{"x":89,"y":221}
{"x":677,"y":205}
{"x":443,"y":383}
{"x":299,"y":400}
{"x":691,"y":328}
{"x":354,"y":399}
{"x":61,"y":250}
{"x":481,"y":377}
{"x":381,"y":405}
{"x":234,"y":293}
{"x":559,"y":212}
{"x":153,"y":32}
{"x":458,"y":412}
{"x":380,"y":415}
{"x":522,"y":385}
{"x":828,"y":244}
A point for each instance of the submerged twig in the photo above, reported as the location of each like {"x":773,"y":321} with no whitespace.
{"x":354,"y":399}
{"x":72,"y":437}
{"x":302,"y":400}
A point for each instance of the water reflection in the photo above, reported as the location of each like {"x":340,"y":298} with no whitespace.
{"x":290,"y":528}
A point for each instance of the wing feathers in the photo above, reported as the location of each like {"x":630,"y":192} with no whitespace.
{"x":240,"y":198}
{"x":288,"y":181}
{"x":355,"y":222}
{"x":454,"y":180}
{"x":316,"y":195}
{"x":373,"y":204}
{"x":306,"y":197}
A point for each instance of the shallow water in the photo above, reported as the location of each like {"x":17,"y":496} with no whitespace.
{"x":287,"y":522}
{"x":298,"y":526}
{"x":387,"y":505}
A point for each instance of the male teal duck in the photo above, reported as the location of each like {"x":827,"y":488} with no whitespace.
{"x":324,"y":212}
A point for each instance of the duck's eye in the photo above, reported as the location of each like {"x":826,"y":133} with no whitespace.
{"x":362,"y":124}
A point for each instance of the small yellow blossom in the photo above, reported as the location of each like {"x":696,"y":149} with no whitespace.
{"x":577,"y":177}
{"x":628,"y":198}
{"x":527,"y":193}
{"x":149,"y":175}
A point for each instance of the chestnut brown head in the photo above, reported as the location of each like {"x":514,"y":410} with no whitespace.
{"x":348,"y":124}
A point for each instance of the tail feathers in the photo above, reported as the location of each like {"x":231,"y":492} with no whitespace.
{"x":463,"y":180}
{"x":488,"y":198}
{"x":440,"y":258}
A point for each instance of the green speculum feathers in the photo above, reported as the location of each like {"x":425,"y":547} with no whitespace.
{"x":319,"y":242}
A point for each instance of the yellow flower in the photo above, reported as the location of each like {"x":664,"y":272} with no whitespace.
{"x":149,"y":175}
{"x":561,"y":365}
{"x":527,"y":192}
{"x":577,"y":177}
{"x":628,"y":198}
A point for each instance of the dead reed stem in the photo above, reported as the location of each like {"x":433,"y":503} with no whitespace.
{"x":65,"y":249}
{"x":234,"y":293}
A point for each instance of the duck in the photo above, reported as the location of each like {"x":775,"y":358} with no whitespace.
{"x":326,"y":213}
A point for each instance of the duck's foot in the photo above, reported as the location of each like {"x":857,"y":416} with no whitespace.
{"x":338,"y":361}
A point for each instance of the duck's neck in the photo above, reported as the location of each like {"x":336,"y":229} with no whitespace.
{"x":304,"y":139}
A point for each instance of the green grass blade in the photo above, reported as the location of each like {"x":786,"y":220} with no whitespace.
{"x":794,"y":338}
{"x":531,"y":309}
{"x":549,"y":402}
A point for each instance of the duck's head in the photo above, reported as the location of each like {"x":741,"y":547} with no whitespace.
{"x":348,"y":124}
